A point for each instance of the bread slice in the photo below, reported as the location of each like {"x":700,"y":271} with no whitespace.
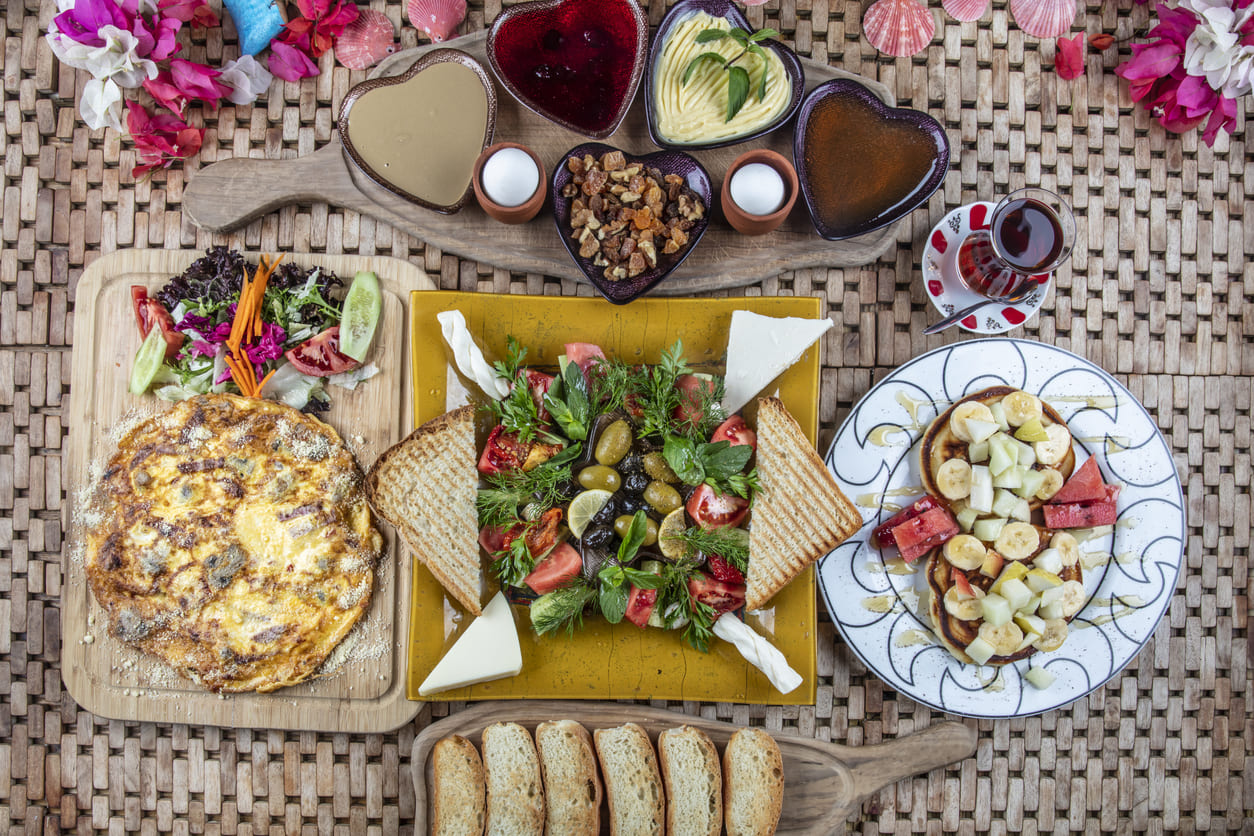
{"x":426,"y":486}
{"x":693,"y":780}
{"x":515,"y":789}
{"x":753,"y":783}
{"x":799,"y":514}
{"x":572,"y":790}
{"x":459,"y":788}
{"x":632,"y":781}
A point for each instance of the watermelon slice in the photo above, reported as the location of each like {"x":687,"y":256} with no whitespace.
{"x":1085,"y":485}
{"x":1084,"y":514}
{"x":919,"y":535}
{"x":883,"y":534}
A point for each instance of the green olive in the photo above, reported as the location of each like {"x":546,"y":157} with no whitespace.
{"x":600,"y":476}
{"x":655,"y":465}
{"x":622,"y":525}
{"x":614,"y":443}
{"x":662,"y":497}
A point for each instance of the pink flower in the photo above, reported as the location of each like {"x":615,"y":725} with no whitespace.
{"x":162,"y":89}
{"x":1069,"y":63}
{"x":320,"y":23}
{"x":196,"y":12}
{"x":83,"y":20}
{"x":290,"y":63}
{"x":196,"y":81}
{"x":161,"y":139}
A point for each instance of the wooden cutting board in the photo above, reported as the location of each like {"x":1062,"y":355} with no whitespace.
{"x":365,"y":694}
{"x":823,"y":782}
{"x":224,"y":195}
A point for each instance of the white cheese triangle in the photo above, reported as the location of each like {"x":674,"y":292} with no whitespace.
{"x":488,"y":650}
{"x":760,"y":348}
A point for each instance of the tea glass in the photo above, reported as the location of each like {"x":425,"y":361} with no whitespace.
{"x":1030,"y":234}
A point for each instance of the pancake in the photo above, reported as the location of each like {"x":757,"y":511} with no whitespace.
{"x":233,"y":541}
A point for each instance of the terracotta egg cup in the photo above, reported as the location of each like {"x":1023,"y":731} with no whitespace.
{"x":524,"y":211}
{"x":742,"y":221}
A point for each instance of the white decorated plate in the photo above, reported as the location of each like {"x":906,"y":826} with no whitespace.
{"x":880,"y":605}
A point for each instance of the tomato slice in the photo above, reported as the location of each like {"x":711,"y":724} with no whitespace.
{"x":541,"y":536}
{"x":584,"y":355}
{"x":320,"y":355}
{"x":723,"y":596}
{"x":503,"y":452}
{"x":495,"y":538}
{"x":883,"y":534}
{"x":640,"y":604}
{"x":690,"y":387}
{"x":735,"y":432}
{"x":150,"y":313}
{"x":539,"y":383}
{"x":558,"y":569}
{"x":711,"y":509}
{"x":722,"y":570}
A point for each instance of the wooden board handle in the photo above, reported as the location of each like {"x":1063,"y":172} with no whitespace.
{"x":875,"y":767}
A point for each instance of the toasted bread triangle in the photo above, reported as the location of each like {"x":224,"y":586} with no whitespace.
{"x":426,"y":486}
{"x":799,"y":514}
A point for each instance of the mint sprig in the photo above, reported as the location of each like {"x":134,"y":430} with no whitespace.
{"x":737,"y":77}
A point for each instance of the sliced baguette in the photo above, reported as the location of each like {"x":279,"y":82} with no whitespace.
{"x":426,"y":486}
{"x":633,"y":783}
{"x":753,"y":783}
{"x":572,"y":790}
{"x":693,"y":780}
{"x":459,"y":788}
{"x":799,"y":514}
{"x":515,"y":798}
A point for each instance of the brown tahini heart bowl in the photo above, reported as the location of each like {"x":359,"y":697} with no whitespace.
{"x":429,"y":161}
{"x":577,"y":63}
{"x":862,"y":164}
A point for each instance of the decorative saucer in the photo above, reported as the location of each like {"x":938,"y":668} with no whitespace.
{"x":947,"y":292}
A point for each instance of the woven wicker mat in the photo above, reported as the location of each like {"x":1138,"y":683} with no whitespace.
{"x":1159,"y":292}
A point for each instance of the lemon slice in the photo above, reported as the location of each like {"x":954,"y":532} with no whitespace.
{"x":668,"y":535}
{"x":584,"y":507}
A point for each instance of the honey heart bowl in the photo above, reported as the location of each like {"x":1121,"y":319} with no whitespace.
{"x":577,"y":63}
{"x":629,"y":220}
{"x":863,"y":164}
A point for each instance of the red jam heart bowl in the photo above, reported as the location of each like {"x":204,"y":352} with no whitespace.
{"x":863,"y":164}
{"x":622,"y":291}
{"x":577,"y":63}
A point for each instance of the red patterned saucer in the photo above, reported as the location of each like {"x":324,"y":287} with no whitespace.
{"x":946,"y":290}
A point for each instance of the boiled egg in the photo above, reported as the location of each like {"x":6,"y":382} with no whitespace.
{"x":757,"y":188}
{"x":510,"y":177}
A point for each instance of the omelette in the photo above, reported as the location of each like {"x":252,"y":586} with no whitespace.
{"x":234,"y":542}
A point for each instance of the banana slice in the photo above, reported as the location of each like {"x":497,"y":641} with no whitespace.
{"x":1021,"y":407}
{"x":1004,"y":639}
{"x":963,"y":411}
{"x":1017,"y":541}
{"x":965,"y":552}
{"x":1051,"y":485}
{"x":1072,"y":599}
{"x":1068,"y":547}
{"x":962,"y":607}
{"x":953,"y":479}
{"x":1056,"y":448}
{"x":1053,"y":637}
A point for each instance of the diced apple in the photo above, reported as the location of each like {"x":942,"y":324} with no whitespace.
{"x":992,"y":564}
{"x":1031,"y":431}
{"x":980,"y":430}
{"x":1004,"y":502}
{"x":1039,"y":677}
{"x":1016,"y":593}
{"x":1026,"y":642}
{"x":1022,"y":511}
{"x":988,"y":528}
{"x":1032,"y":605}
{"x":1027,"y":454}
{"x":981,"y":498}
{"x":1039,"y":580}
{"x":980,"y":651}
{"x":997,"y":610}
{"x":1032,"y":481}
{"x":966,"y":518}
{"x":1014,"y":571}
{"x":999,"y":415}
{"x":1010,"y":478}
{"x":977,"y":452}
{"x":1050,"y":560}
{"x":1031,"y":625}
{"x":999,"y":457}
{"x":1049,"y":612}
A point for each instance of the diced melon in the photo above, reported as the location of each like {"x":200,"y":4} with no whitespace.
{"x":1031,"y":606}
{"x":1004,"y":502}
{"x":966,"y":518}
{"x":1014,"y":571}
{"x":980,"y":430}
{"x":1027,"y":454}
{"x":1026,"y":642}
{"x":981,"y":498}
{"x":1049,"y":612}
{"x":1010,"y":478}
{"x":1031,"y":625}
{"x":1022,"y":511}
{"x":993,"y":563}
{"x":1032,"y":481}
{"x":1016,"y":593}
{"x":1039,"y":580}
{"x":997,"y":610}
{"x":1032,"y":431}
{"x":999,"y":415}
{"x":1039,"y":677}
{"x":977,"y":452}
{"x":999,"y":457}
{"x":1051,"y":596}
{"x":980,"y":651}
{"x":988,"y":528}
{"x":1049,"y":560}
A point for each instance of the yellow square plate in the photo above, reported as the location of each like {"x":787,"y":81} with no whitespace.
{"x":604,"y":661}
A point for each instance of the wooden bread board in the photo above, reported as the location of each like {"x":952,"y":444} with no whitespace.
{"x":367,"y":693}
{"x":823,"y":782}
{"x":224,"y":195}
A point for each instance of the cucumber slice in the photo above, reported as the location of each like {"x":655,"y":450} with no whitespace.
{"x":362,"y":305}
{"x":148,"y":361}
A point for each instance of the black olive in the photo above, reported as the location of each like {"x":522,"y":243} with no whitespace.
{"x":632,"y":504}
{"x":635,"y":483}
{"x":568,"y":489}
{"x":631,"y":463}
{"x":607,"y":513}
{"x":597,"y":537}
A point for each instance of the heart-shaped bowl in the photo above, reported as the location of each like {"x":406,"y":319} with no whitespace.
{"x":419,"y":137}
{"x":863,"y":164}
{"x":622,"y":291}
{"x":577,"y":63}
{"x":656,"y":87}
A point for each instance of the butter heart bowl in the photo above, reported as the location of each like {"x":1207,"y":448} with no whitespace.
{"x":577,"y":63}
{"x":629,"y":220}
{"x":419,"y":133}
{"x":863,"y":164}
{"x":686,"y":97}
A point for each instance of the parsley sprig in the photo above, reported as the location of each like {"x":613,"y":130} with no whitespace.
{"x":656,"y":393}
{"x":717,"y":463}
{"x":518,"y":411}
{"x":737,"y":77}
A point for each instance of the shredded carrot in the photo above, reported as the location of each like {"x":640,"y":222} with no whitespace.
{"x":265,"y":380}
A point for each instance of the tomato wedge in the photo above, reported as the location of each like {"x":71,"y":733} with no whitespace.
{"x":149,"y":314}
{"x":558,"y":569}
{"x":721,"y":595}
{"x":691,"y":389}
{"x":735,"y":432}
{"x":640,"y":604}
{"x":722,"y":570}
{"x":320,"y":355}
{"x":712,"y":509}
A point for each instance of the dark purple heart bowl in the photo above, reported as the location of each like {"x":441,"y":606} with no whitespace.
{"x":668,"y":162}
{"x":725,"y":9}
{"x":863,"y":164}
{"x":577,"y":63}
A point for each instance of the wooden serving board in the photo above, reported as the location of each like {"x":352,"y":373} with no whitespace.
{"x":224,"y":195}
{"x":366,"y":693}
{"x":823,"y":782}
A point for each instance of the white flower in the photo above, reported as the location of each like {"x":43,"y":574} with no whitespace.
{"x":101,"y":105}
{"x":1214,"y":50}
{"x":247,"y":79}
{"x":115,"y":59}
